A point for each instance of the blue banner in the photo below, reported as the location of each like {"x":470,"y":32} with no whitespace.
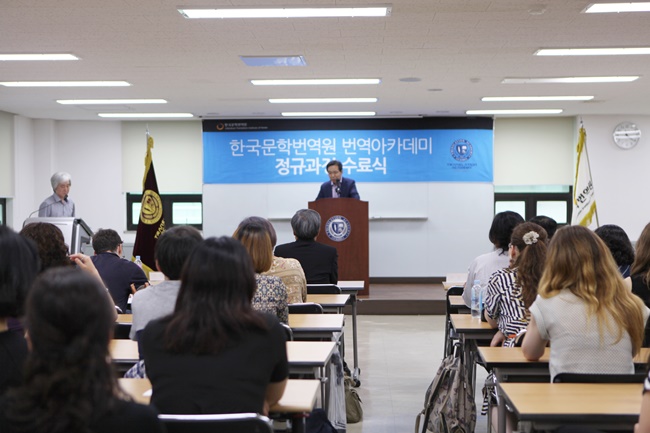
{"x":368,"y":155}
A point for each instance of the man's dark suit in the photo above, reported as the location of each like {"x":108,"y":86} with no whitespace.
{"x":319,"y":261}
{"x":348,"y":189}
{"x":118,"y":275}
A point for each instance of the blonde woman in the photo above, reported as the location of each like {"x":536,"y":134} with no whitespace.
{"x":595,"y":325}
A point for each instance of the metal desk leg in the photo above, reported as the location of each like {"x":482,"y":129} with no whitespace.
{"x":357,"y":371}
{"x":501,"y":408}
{"x":299,"y":423}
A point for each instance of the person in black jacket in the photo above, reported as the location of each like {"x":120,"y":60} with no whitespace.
{"x":319,"y":261}
{"x":338,"y":186}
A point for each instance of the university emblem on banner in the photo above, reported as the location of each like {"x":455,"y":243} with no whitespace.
{"x":338,"y":228}
{"x":461,"y":150}
{"x":152,"y":209}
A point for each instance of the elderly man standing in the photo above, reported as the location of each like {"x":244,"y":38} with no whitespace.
{"x":58,"y":204}
{"x":319,"y":261}
{"x":118,"y":274}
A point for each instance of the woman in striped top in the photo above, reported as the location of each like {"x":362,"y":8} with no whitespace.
{"x":512,"y":290}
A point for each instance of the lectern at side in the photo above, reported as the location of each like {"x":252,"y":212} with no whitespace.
{"x":344,"y":225}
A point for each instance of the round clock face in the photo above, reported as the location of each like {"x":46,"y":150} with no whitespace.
{"x":626,"y":135}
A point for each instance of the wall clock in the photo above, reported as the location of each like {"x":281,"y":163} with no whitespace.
{"x":626,"y":135}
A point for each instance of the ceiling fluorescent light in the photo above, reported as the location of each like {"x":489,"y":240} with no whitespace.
{"x":532,"y":111}
{"x":328,"y":113}
{"x":320,"y":100}
{"x":64,"y":83}
{"x":274,"y":60}
{"x":144,"y":115}
{"x":618,"y":7}
{"x":109,"y":101}
{"x":571,"y":80}
{"x":21,"y":57}
{"x":534,"y":98}
{"x":287,"y":12}
{"x":592,"y":51}
{"x":316,"y":82}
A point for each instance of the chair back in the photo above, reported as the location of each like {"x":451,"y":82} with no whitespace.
{"x":598,"y":378}
{"x":220,"y":423}
{"x":305,"y":308}
{"x":121,"y":331}
{"x":288,"y":330}
{"x":323,"y":289}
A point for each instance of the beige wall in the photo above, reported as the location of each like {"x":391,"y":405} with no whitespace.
{"x":534,"y":151}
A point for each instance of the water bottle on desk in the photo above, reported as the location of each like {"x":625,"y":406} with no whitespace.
{"x":477,"y":299}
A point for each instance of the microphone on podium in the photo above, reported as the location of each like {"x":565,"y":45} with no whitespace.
{"x":47,"y":206}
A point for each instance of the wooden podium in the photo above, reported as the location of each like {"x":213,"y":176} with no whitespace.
{"x":344,"y":225}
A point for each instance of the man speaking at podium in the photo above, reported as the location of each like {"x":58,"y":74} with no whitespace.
{"x":338,"y":186}
{"x":58,"y":204}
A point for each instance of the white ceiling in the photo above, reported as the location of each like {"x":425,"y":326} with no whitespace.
{"x":460,"y":50}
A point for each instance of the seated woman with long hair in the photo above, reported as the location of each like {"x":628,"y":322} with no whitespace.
{"x":215,"y":353}
{"x":271,"y":294}
{"x":594,"y":323}
{"x":69,"y":384}
{"x":511,"y":291}
{"x":19,"y":265}
{"x":289,"y":270}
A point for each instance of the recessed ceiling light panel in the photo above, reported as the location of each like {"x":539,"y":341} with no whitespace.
{"x":592,"y":51}
{"x":317,"y":82}
{"x":618,"y":7}
{"x":320,"y":100}
{"x":287,"y":12}
{"x":64,"y":83}
{"x":329,"y":114}
{"x":145,"y":115}
{"x":571,"y":80}
{"x":531,"y":111}
{"x":274,"y":60}
{"x":109,"y":101}
{"x":534,"y":98}
{"x":29,"y":57}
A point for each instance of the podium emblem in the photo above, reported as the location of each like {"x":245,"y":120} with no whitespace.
{"x":338,"y":228}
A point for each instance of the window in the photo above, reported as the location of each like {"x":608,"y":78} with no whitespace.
{"x":3,"y":211}
{"x":554,"y":202}
{"x":178,"y":209}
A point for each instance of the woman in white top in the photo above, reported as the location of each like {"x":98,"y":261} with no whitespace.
{"x":594,"y":323}
{"x":486,"y":264}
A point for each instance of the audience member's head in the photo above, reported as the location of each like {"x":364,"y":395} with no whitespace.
{"x":255,"y":237}
{"x":50,"y":242}
{"x":67,"y":380}
{"x":214,"y":301}
{"x":618,"y":243}
{"x":502,"y":226}
{"x":267,"y":225}
{"x":106,"y":240}
{"x":173,"y":247}
{"x":529,"y":242}
{"x":19,"y":265}
{"x":547,"y":223}
{"x":306,"y":224}
{"x":641,"y":265}
{"x":579,"y":261}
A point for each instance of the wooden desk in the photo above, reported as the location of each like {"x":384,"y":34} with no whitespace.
{"x":448,"y":284}
{"x":353,"y":287}
{"x":456,"y":301}
{"x":315,"y":326}
{"x":509,"y":364}
{"x":124,"y":351}
{"x":330,"y":303}
{"x":125,"y":318}
{"x":305,"y":357}
{"x":299,"y":396}
{"x":545,"y":406}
